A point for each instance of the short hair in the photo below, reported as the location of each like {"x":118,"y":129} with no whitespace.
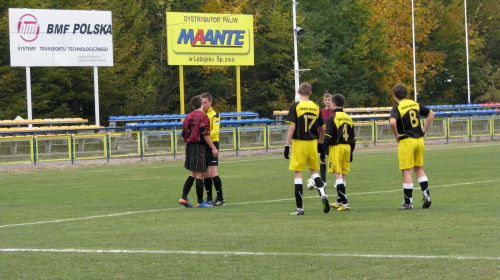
{"x":206,"y":95}
{"x":196,"y":102}
{"x":327,"y":95}
{"x":305,"y":89}
{"x":400,"y":91}
{"x":339,"y":100}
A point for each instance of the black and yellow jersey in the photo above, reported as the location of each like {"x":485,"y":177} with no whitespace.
{"x":339,"y":129}
{"x":214,"y":118}
{"x":407,"y":115}
{"x":307,"y":119}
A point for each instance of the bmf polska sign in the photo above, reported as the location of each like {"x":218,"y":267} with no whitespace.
{"x":60,"y":38}
{"x":209,"y":39}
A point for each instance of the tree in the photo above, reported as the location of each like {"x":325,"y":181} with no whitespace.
{"x":395,"y":15}
{"x":345,"y":51}
{"x":486,"y":76}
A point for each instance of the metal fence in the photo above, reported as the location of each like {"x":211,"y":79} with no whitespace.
{"x":33,"y":147}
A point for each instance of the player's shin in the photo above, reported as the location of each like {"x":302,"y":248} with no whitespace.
{"x":199,"y":190}
{"x":299,"y":190}
{"x":408,"y":192}
{"x":424,"y":185}
{"x":187,"y":187}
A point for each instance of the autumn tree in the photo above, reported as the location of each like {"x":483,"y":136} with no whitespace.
{"x":346,"y":54}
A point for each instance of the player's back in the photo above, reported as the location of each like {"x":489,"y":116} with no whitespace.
{"x":340,"y":128}
{"x":195,"y":125}
{"x":306,"y":117}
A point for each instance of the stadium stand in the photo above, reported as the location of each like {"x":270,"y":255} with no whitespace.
{"x":19,"y":122}
{"x":172,"y":117}
{"x":222,"y":122}
{"x":381,"y":113}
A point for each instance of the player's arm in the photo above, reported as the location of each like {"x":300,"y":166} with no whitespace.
{"x":215,"y":152}
{"x":327,"y":136}
{"x":292,"y":120}
{"x":215,"y":126}
{"x":325,"y":147}
{"x":394,"y":128}
{"x":322,"y":134}
{"x":394,"y":115}
{"x":321,"y":139}
{"x":205,"y":129}
{"x":353,"y":142}
{"x":291,"y":131}
{"x":428,"y":120}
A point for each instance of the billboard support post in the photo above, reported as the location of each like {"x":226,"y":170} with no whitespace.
{"x":238,"y":89}
{"x":96,"y":96}
{"x":181,"y":87}
{"x":28,"y":92}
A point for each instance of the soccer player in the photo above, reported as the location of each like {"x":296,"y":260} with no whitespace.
{"x":406,"y":124}
{"x":325,"y":113}
{"x":304,"y":119}
{"x":339,"y":144}
{"x":196,"y":134}
{"x":211,"y":174}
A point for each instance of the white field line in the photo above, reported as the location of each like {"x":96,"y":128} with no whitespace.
{"x":236,"y":203}
{"x":244,"y":254}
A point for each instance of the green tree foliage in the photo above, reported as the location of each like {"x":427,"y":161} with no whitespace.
{"x":359,"y":48}
{"x":486,"y":76}
{"x":346,"y":54}
{"x":396,"y":18}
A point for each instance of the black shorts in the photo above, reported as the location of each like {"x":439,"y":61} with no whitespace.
{"x":211,"y":160}
{"x":196,"y":157}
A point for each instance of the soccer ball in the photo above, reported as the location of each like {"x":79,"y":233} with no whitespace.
{"x":311,"y":184}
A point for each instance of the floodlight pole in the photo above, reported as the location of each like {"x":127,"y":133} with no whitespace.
{"x":467,"y":52}
{"x":296,"y":61}
{"x":414,"y":55}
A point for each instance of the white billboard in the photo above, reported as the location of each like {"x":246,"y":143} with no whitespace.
{"x":60,"y":38}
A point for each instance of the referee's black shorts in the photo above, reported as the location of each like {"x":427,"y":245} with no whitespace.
{"x":211,"y":160}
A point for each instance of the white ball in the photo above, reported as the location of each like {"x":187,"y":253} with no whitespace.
{"x":311,"y":184}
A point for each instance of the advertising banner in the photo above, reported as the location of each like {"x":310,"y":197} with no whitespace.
{"x":60,"y":38}
{"x":209,"y":39}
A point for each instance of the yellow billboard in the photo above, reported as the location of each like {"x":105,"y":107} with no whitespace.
{"x":209,"y":39}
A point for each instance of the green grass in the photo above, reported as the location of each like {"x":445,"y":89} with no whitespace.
{"x":123,"y":222}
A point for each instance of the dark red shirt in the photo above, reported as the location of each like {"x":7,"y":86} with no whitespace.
{"x":196,"y":124}
{"x":325,"y":114}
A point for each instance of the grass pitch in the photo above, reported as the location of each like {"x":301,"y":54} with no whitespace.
{"x":123,"y":222}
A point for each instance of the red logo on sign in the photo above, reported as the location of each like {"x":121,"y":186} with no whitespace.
{"x":28,"y":27}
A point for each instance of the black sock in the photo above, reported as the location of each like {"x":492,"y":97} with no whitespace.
{"x":408,"y":195}
{"x":187,"y":187}
{"x":208,"y":187}
{"x":199,"y":190}
{"x":298,"y":195}
{"x":425,"y":188}
{"x":218,"y":187}
{"x":341,"y":193}
{"x":318,"y":182}
{"x":322,"y":171}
